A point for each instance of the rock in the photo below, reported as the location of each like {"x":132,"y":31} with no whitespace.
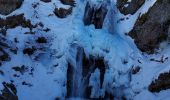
{"x":135,"y":70}
{"x":3,"y":55}
{"x":162,"y":83}
{"x":29,"y":51}
{"x":14,"y":21}
{"x":95,"y":15}
{"x":152,"y":27}
{"x":68,"y":2}
{"x":62,"y":12}
{"x":69,"y":80}
{"x":127,"y":7}
{"x":88,"y":15}
{"x":41,"y":40}
{"x":8,"y":6}
{"x":46,"y":1}
{"x":21,"y":69}
{"x":9,"y":92}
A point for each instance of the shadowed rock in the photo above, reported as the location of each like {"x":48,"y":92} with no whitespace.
{"x":62,"y":12}
{"x":46,"y":1}
{"x":8,"y":6}
{"x":162,"y":83}
{"x":9,"y":92}
{"x":126,"y":7}
{"x":152,"y":27}
{"x":14,"y":21}
{"x":68,"y":2}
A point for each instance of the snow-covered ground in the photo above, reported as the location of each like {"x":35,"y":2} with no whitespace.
{"x":48,"y":80}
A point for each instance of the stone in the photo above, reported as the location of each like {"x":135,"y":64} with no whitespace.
{"x":9,"y":92}
{"x":8,"y":6}
{"x":41,"y":40}
{"x":29,"y":51}
{"x":162,"y":83}
{"x":46,"y":1}
{"x":152,"y":28}
{"x":62,"y":12}
{"x":68,"y":2}
{"x":126,"y":7}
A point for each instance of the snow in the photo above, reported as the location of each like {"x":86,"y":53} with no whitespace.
{"x":48,"y":82}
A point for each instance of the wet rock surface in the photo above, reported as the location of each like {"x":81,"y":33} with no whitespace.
{"x":127,"y":7}
{"x":94,"y":15}
{"x":162,"y":83}
{"x":8,"y":6}
{"x":152,"y":27}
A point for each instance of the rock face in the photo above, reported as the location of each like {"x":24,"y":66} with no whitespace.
{"x":68,"y":2}
{"x":62,"y":12}
{"x":9,"y":92}
{"x":126,"y":7}
{"x":14,"y":21}
{"x":8,"y":6}
{"x":162,"y":83}
{"x":152,"y":27}
{"x":94,"y":15}
{"x":8,"y":23}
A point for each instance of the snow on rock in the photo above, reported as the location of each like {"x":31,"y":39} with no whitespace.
{"x":50,"y":56}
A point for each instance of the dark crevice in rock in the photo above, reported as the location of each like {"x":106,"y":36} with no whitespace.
{"x":69,"y":79}
{"x":108,"y":96}
{"x":162,"y":83}
{"x":94,"y":15}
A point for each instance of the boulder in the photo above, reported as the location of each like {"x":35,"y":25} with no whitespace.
{"x":14,"y":21}
{"x":152,"y":28}
{"x":62,"y":12}
{"x":162,"y":83}
{"x":127,"y":7}
{"x":8,"y":6}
